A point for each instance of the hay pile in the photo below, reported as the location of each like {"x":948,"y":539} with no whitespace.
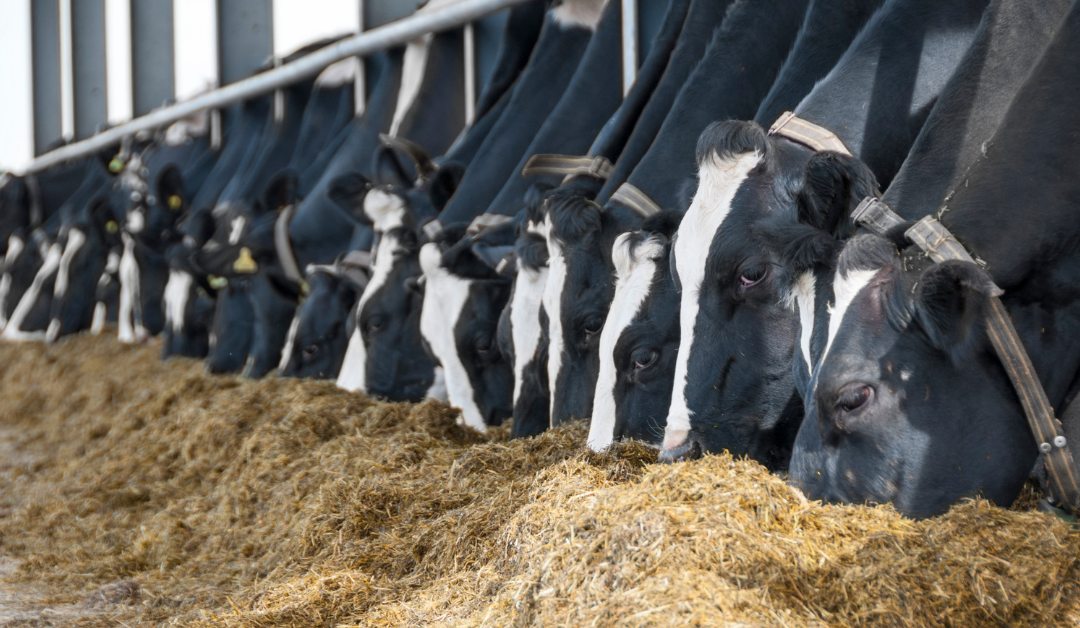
{"x":217,"y":502}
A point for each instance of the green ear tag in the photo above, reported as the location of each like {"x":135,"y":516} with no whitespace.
{"x":217,"y":283}
{"x":116,"y":165}
{"x":112,"y":227}
{"x":175,"y":202}
{"x":245,"y":264}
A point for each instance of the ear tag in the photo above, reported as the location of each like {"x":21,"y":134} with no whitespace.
{"x":111,"y":227}
{"x":116,"y":165}
{"x":217,"y":283}
{"x":245,"y":263}
{"x":305,"y":287}
{"x":175,"y":202}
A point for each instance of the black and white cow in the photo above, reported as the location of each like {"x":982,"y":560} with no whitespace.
{"x":905,"y":346}
{"x":735,"y":74}
{"x":464,"y":296}
{"x":734,"y":382}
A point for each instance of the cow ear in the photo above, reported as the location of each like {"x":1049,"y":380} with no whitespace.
{"x":444,"y":183}
{"x":348,"y":191}
{"x":833,"y":186}
{"x":170,"y":188}
{"x":950,"y":300}
{"x":389,"y":169}
{"x":281,"y":191}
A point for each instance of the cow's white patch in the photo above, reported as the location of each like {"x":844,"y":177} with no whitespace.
{"x":384,"y":209}
{"x":127,"y":316}
{"x":236,"y":229}
{"x":100,"y":314}
{"x":805,"y":293}
{"x":13,"y":330}
{"x":413,"y":69}
{"x":75,"y":241}
{"x":552,"y":301}
{"x":525,"y":330}
{"x":579,"y":13}
{"x":177,"y":293}
{"x":136,"y":221}
{"x":290,"y":342}
{"x":353,"y":374}
{"x":340,"y":74}
{"x":445,"y":295}
{"x":14,"y":250}
{"x":53,"y":331}
{"x":845,"y":288}
{"x":634,"y":272}
{"x":718,"y":181}
{"x":437,"y":390}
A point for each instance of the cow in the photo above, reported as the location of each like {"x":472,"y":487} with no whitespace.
{"x":733,"y":76}
{"x":923,"y":364}
{"x":740,"y":393}
{"x":636,"y":382}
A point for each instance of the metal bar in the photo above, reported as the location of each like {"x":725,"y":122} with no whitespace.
{"x":469,"y":37}
{"x":629,"y":44}
{"x":393,"y":34}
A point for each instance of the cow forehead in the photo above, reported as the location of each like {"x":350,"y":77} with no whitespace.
{"x":525,"y":328}
{"x":385,"y":255}
{"x":846,"y":287}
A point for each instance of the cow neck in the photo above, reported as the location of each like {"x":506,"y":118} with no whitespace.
{"x":939,"y":244}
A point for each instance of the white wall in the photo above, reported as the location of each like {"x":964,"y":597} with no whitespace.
{"x":300,"y":22}
{"x":195,"y":63}
{"x":16,"y":105}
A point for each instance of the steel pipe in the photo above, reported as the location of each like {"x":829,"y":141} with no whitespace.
{"x":366,"y":43}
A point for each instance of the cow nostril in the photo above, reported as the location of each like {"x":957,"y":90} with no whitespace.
{"x":688,"y":449}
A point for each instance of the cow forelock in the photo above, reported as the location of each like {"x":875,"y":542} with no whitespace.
{"x":635,"y":266}
{"x":385,"y":209}
{"x":718,"y":181}
{"x":579,"y":13}
{"x":445,"y":295}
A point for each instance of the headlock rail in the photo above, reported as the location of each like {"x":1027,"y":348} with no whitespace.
{"x":363,"y":44}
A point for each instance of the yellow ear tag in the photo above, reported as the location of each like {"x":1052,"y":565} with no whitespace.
{"x":116,"y":165}
{"x":305,"y":288}
{"x":175,"y":202}
{"x":217,"y":283}
{"x":112,"y":227}
{"x":245,"y":264}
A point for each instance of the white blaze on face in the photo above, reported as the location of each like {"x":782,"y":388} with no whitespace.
{"x":552,"y":301}
{"x":290,"y":342}
{"x":353,"y":374}
{"x":76,"y":240}
{"x":579,"y":13}
{"x":634,"y":272}
{"x":14,"y":250}
{"x":177,"y":293}
{"x":30,"y":297}
{"x":437,"y":390}
{"x":130,"y":327}
{"x":136,"y":221}
{"x":385,"y":209}
{"x":445,"y":295}
{"x":100,"y":314}
{"x":718,"y":181}
{"x":845,"y":289}
{"x":236,"y":229}
{"x":805,"y":295}
{"x":525,"y":330}
{"x":112,"y":266}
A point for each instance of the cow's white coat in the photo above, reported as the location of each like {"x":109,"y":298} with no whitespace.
{"x":290,"y":341}
{"x":177,"y":293}
{"x":845,"y":289}
{"x":236,"y":229}
{"x":13,"y":329}
{"x":413,"y":69}
{"x":552,"y":301}
{"x":75,"y":241}
{"x":805,"y":294}
{"x":579,"y":13}
{"x":634,"y":272}
{"x":131,"y":328}
{"x":525,"y":330}
{"x":718,"y":180}
{"x":14,"y":250}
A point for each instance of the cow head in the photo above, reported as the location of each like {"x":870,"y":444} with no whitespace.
{"x":318,"y":335}
{"x":909,"y":404}
{"x":734,"y":384}
{"x":639,"y":340}
{"x":464,"y":297}
{"x":86,"y":239}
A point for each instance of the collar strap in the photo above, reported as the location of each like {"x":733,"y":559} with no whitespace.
{"x":637,"y":201}
{"x":813,"y":136}
{"x":940,"y":245}
{"x":283,"y":245}
{"x":486,"y":222}
{"x":598,"y":167}
{"x":431,"y":229}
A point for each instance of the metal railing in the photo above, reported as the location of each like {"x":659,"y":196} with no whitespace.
{"x":366,"y":43}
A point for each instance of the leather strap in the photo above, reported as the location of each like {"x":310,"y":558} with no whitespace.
{"x":486,"y":222}
{"x":815,"y":137}
{"x":940,"y":245}
{"x":598,"y":167}
{"x":283,"y":245}
{"x":632,"y":198}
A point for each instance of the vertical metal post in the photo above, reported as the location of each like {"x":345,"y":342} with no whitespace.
{"x":245,"y":39}
{"x":45,"y":46}
{"x":67,"y":73}
{"x":470,"y":73}
{"x":629,"y":44}
{"x":360,"y":84}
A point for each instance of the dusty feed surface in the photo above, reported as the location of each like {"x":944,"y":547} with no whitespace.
{"x":140,"y":493}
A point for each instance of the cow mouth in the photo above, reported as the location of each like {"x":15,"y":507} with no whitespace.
{"x":688,"y":449}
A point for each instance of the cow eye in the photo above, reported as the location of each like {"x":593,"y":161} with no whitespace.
{"x":853,"y":397}
{"x":644,"y":358}
{"x":593,"y":325}
{"x":311,"y":350}
{"x":484,"y":345}
{"x":753,"y":275}
{"x":376,"y":323}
